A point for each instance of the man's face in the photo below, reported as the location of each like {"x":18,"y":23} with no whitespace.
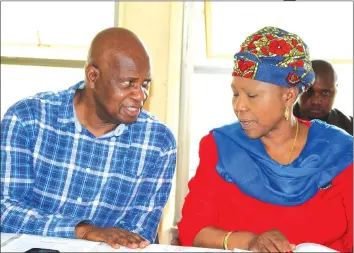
{"x":317,"y":102}
{"x":122,"y":87}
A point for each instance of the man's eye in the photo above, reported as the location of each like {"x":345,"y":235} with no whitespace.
{"x":127,"y":83}
{"x":146,"y":84}
{"x":325,"y":93}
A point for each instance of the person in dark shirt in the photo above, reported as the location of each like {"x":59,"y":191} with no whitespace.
{"x":318,"y":101}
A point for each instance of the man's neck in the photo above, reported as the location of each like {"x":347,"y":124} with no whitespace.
{"x":86,"y":113}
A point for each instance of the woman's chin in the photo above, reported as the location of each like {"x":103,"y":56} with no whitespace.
{"x":252,"y":134}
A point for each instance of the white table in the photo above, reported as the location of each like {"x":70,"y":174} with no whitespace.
{"x":21,"y":243}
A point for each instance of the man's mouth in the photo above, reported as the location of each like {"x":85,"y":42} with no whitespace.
{"x":316,"y":112}
{"x":131,"y":111}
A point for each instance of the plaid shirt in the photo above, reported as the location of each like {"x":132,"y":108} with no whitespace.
{"x":55,"y":173}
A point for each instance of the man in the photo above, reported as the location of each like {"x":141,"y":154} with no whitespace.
{"x":89,"y":162}
{"x":317,"y":102}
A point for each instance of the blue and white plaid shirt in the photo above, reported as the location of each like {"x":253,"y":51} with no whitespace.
{"x":55,"y":173}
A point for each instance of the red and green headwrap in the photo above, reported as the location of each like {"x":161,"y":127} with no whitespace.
{"x":275,"y":56}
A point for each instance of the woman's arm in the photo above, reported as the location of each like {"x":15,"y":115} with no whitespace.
{"x":212,"y":237}
{"x":200,"y":208}
{"x":200,"y":211}
{"x":200,"y":226}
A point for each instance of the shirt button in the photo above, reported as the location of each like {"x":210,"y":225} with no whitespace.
{"x":88,"y":170}
{"x":79,"y":200}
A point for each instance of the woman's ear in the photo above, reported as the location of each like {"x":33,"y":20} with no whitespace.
{"x":290,"y":95}
{"x":92,"y":74}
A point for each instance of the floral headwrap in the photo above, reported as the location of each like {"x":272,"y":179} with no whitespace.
{"x":275,"y":56}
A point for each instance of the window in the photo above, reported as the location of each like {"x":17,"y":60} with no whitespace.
{"x":59,"y":30}
{"x":314,"y":22}
{"x":44,"y":44}
{"x":18,"y":82}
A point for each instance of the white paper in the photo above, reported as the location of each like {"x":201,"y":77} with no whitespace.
{"x":240,"y":250}
{"x":156,"y":248}
{"x":26,"y":242}
{"x":312,"y":247}
{"x":304,"y":247}
{"x":6,"y":236}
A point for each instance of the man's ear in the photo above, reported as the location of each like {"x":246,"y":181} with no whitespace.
{"x":92,"y":74}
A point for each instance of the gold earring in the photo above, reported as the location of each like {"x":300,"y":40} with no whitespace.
{"x":286,"y":113}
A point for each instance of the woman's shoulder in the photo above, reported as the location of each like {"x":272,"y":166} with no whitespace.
{"x":345,"y":177}
{"x":331,"y":132}
{"x":207,"y":145}
{"x":331,"y":138}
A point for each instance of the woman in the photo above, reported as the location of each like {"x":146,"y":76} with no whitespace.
{"x":271,"y":181}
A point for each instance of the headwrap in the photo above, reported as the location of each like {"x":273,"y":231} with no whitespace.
{"x":275,"y":56}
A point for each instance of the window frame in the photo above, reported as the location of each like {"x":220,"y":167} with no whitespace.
{"x":51,"y":62}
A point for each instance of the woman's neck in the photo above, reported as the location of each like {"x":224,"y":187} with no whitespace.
{"x":285,"y":143}
{"x":282,"y":134}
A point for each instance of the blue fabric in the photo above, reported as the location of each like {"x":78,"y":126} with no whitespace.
{"x":268,"y":71}
{"x":245,"y":162}
{"x":55,"y":173}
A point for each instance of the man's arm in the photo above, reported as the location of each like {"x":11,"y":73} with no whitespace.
{"x":142,"y":221}
{"x":18,"y":210}
{"x":145,"y":220}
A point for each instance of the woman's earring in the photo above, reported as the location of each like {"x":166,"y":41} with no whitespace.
{"x":286,"y":113}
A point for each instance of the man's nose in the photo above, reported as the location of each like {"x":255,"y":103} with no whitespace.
{"x":316,"y":99}
{"x":139,"y":93}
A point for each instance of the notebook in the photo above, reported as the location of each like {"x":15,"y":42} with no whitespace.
{"x":313,"y":247}
{"x":304,"y":247}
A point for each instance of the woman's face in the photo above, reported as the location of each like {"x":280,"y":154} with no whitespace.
{"x":259,"y":106}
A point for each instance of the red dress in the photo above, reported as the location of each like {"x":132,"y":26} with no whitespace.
{"x":327,"y":218}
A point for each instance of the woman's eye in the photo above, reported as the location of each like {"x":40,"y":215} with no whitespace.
{"x":252,"y":96}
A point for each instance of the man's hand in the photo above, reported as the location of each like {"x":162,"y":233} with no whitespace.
{"x":270,"y":241}
{"x":115,"y":237}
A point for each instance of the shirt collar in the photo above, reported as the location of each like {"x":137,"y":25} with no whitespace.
{"x":116,"y":132}
{"x":68,"y":114}
{"x":65,"y":115}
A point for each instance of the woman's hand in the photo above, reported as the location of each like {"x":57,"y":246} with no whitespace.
{"x":270,"y":241}
{"x":115,"y":237}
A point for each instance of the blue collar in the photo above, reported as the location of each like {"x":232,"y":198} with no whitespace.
{"x":67,"y":114}
{"x":116,"y":132}
{"x":245,"y":162}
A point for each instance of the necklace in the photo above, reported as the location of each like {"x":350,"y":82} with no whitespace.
{"x":292,"y":148}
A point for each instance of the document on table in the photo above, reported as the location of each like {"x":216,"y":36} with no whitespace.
{"x":305,"y":247}
{"x":6,"y":236}
{"x":156,"y":248}
{"x":26,"y":242}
